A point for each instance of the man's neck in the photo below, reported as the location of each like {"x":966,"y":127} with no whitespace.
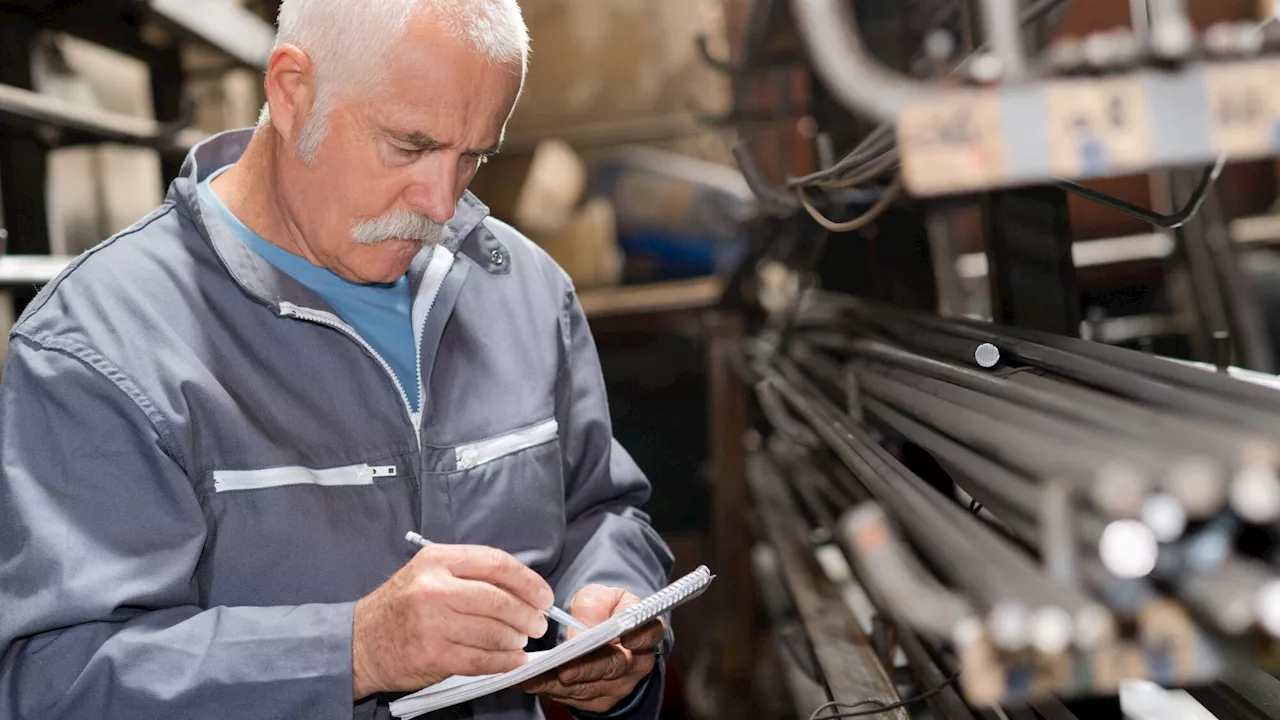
{"x":251,"y":190}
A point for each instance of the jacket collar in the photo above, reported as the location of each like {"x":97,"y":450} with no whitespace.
{"x":246,"y":267}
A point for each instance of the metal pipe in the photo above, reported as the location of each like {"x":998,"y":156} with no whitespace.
{"x":1049,"y":611}
{"x":1118,"y":489}
{"x":1172,"y":35}
{"x":1173,"y":221}
{"x":849,"y":665}
{"x":1057,"y":532}
{"x":857,"y":80}
{"x":1160,"y":460}
{"x":1234,"y":595}
{"x":984,"y":355}
{"x":947,"y":704}
{"x":947,"y":547}
{"x":1004,"y":33}
{"x":1253,"y":460}
{"x":759,"y":185}
{"x":1024,"y":606}
{"x":1215,"y":384}
{"x":1078,"y":364}
{"x":982,"y":478}
{"x":1054,"y":397}
{"x":1193,"y":480}
{"x":913,"y":597}
{"x":1085,"y":436}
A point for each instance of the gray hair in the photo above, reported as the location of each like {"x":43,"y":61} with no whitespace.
{"x":347,"y":41}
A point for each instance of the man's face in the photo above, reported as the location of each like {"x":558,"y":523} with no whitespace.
{"x":393,"y":166}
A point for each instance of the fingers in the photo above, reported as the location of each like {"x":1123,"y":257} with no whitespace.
{"x":597,"y":696}
{"x":484,"y":633}
{"x":480,"y":599}
{"x":542,"y":684}
{"x":470,"y":661}
{"x":646,"y":637}
{"x":496,"y":567}
{"x":608,"y":663}
{"x":595,"y":603}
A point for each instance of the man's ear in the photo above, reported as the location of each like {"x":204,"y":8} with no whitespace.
{"x":291,"y":89}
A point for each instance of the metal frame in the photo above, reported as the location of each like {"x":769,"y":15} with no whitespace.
{"x":1032,"y":272}
{"x":224,"y":25}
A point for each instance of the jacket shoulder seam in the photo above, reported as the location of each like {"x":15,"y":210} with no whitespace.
{"x":49,"y":290}
{"x":117,"y":377}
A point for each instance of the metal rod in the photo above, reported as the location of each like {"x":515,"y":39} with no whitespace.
{"x":1118,"y":489}
{"x":1124,"y":372}
{"x":34,"y":107}
{"x":1234,"y":595}
{"x":847,"y":659}
{"x":1252,"y":460}
{"x":856,"y":79}
{"x":1024,"y":606}
{"x":1031,"y":390}
{"x":1220,"y":386}
{"x":1004,"y":33}
{"x":1058,"y":541}
{"x":1170,"y":222}
{"x":1085,"y":436}
{"x":913,"y":597}
{"x":1160,"y":460}
{"x":948,"y":704}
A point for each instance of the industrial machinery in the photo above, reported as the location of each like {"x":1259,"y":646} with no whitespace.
{"x":1012,"y":506}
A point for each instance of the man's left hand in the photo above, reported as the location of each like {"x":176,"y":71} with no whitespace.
{"x":599,"y":681}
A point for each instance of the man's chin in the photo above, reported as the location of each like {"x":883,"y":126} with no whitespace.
{"x":385,"y":262}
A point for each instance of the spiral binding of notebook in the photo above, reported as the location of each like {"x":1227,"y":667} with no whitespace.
{"x":677,"y":593}
{"x":459,"y":689}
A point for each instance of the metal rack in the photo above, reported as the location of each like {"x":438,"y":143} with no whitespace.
{"x":1025,"y":591}
{"x":152,"y":31}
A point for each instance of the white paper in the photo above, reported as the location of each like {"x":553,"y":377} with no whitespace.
{"x":460,"y":689}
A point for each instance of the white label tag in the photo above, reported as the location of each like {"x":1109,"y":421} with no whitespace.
{"x":952,"y":142}
{"x":1098,"y":127}
{"x":1246,"y":112}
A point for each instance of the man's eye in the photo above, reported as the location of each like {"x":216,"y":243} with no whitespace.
{"x":408,"y":152}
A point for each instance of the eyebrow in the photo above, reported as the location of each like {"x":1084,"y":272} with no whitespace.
{"x":423,"y":141}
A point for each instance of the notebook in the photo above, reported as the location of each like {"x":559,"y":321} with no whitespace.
{"x":460,"y":689}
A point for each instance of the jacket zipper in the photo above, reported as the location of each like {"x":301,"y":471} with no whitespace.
{"x":433,"y":288}
{"x":288,"y":309}
{"x":301,"y":313}
{"x":485,"y":451}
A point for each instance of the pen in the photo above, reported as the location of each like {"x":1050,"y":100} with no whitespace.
{"x":552,"y":612}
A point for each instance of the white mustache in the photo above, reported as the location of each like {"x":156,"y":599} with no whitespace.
{"x":398,"y":224}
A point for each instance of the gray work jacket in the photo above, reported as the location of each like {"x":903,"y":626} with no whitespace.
{"x":202,"y":467}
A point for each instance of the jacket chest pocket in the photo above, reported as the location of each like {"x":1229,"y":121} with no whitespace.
{"x":507,"y":492}
{"x":297,"y":534}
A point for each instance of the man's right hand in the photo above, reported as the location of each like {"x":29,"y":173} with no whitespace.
{"x":453,"y":610}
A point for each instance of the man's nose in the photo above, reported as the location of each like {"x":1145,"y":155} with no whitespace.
{"x":432,"y":194}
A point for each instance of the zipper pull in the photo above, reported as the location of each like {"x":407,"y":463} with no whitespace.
{"x":466,"y":459}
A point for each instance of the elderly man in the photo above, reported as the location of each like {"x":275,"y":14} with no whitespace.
{"x":217,"y":427}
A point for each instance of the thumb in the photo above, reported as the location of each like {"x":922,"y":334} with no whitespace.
{"x":595,"y":603}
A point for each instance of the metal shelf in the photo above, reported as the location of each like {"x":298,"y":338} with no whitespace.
{"x":223,"y":25}
{"x":18,"y":106}
{"x":219,"y":24}
{"x":28,"y":270}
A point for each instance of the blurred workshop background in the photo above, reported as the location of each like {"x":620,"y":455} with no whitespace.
{"x":620,"y":162}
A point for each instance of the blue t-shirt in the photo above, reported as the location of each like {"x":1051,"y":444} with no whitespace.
{"x":381,"y":313}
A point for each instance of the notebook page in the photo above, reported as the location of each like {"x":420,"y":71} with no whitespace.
{"x":462,"y":689}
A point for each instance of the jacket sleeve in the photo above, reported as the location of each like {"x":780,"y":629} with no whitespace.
{"x":100,"y":535}
{"x":609,"y":540}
